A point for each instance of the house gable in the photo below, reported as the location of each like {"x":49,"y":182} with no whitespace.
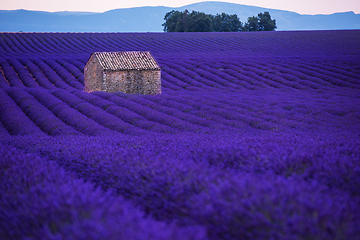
{"x":93,"y":75}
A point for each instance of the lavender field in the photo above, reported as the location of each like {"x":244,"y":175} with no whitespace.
{"x":255,"y":136}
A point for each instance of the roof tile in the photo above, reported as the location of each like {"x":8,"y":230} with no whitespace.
{"x":127,"y":61}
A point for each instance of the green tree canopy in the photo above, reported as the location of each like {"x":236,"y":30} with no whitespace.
{"x":227,"y":23}
{"x":266,"y":23}
{"x":262,"y":22}
{"x":176,"y":21}
{"x":199,"y":22}
{"x":252,"y":24}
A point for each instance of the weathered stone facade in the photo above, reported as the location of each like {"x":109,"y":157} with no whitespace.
{"x":128,"y":72}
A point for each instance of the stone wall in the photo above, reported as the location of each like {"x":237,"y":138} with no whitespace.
{"x":93,"y":76}
{"x":133,"y":81}
{"x":114,"y":81}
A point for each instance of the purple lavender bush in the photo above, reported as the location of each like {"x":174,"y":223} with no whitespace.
{"x":41,"y":200}
{"x":255,"y":136}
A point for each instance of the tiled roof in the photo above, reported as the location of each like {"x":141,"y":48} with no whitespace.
{"x":126,"y":61}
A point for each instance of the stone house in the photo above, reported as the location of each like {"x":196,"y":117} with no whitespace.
{"x":128,"y":72}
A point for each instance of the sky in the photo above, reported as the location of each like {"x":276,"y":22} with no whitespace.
{"x":302,"y":7}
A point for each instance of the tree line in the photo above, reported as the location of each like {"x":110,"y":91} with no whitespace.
{"x":176,"y":21}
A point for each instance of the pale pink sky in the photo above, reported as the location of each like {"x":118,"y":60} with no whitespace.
{"x":300,"y":6}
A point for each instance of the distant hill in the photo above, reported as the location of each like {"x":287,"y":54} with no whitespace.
{"x":150,"y":19}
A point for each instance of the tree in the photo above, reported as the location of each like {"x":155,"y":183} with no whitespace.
{"x":199,"y":22}
{"x":265,"y":22}
{"x":227,"y":23}
{"x":252,"y":24}
{"x":262,"y":22}
{"x":182,"y":23}
{"x":175,"y":21}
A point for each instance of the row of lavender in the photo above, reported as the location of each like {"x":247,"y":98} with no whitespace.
{"x":312,"y":43}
